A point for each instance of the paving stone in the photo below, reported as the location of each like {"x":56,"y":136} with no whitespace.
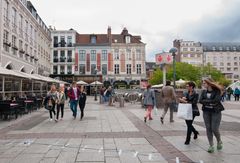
{"x":28,"y":158}
{"x":155,"y":157}
{"x":68,"y":157}
{"x":93,"y":156}
{"x":52,"y":153}
{"x":136,"y":141}
{"x":37,"y":149}
{"x":48,"y":160}
{"x":6,"y":160}
{"x":112,"y":160}
{"x":13,"y":152}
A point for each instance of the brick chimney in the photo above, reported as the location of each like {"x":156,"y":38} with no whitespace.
{"x":109,"y":34}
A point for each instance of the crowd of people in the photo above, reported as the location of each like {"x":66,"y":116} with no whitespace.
{"x":55,"y":100}
{"x":210,"y":98}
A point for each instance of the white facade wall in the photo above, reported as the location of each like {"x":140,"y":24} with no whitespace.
{"x":69,"y":60}
{"x":29,"y":38}
{"x":227,"y":62}
{"x":191,"y":53}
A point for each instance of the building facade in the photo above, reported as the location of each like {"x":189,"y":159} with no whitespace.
{"x":189,"y":52}
{"x":25,"y":39}
{"x":116,"y":59}
{"x":224,"y":56}
{"x":63,"y":54}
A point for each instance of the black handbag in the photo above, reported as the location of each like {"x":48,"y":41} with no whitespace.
{"x":174,"y":106}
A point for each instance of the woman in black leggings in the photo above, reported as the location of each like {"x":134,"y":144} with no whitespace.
{"x":82,"y":101}
{"x":191,"y":97}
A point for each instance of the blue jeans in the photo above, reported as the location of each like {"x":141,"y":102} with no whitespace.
{"x":73,"y":107}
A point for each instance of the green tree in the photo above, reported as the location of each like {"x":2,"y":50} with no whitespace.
{"x":157,"y":77}
{"x":189,"y":72}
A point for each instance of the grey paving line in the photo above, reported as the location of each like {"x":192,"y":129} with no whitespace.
{"x":74,"y":135}
{"x":167,"y":150}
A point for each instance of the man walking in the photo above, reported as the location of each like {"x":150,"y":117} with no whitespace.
{"x":73,"y":94}
{"x":169,"y":96}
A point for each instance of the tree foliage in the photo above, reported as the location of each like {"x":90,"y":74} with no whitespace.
{"x":189,"y":72}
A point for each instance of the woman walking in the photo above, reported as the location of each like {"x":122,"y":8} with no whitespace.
{"x":149,"y":102}
{"x":191,"y":97}
{"x":82,"y":101}
{"x":61,"y":102}
{"x":212,"y":107}
{"x":50,"y":101}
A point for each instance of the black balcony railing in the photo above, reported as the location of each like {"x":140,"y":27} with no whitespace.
{"x":55,"y":45}
{"x":55,"y":59}
{"x":62,"y":59}
{"x":69,"y":45}
{"x":69,"y":60}
{"x":69,"y":72}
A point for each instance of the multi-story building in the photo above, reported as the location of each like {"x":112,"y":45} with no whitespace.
{"x":189,"y":52}
{"x":224,"y":56}
{"x":128,"y":55}
{"x":25,"y":39}
{"x":63,"y":54}
{"x":117,"y":59}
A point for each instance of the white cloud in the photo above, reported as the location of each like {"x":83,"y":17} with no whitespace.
{"x":157,"y":21}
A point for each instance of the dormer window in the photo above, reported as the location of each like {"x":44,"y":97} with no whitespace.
{"x":93,"y":39}
{"x":128,"y":39}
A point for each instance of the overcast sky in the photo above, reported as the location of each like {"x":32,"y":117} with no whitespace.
{"x":159,"y":22}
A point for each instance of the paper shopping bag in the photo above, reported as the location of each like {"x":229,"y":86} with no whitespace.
{"x":185,"y":111}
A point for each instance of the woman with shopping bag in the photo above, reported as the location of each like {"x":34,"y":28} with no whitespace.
{"x":149,"y":102}
{"x":190,"y":97}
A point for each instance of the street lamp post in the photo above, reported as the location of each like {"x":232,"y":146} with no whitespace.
{"x":173,"y":51}
{"x":95,"y":96}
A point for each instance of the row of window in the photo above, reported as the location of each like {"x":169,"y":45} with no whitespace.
{"x":185,"y":49}
{"x":104,"y":56}
{"x":224,"y":58}
{"x":228,"y":64}
{"x":61,"y":42}
{"x":214,"y":48}
{"x":82,"y":69}
{"x":191,"y":55}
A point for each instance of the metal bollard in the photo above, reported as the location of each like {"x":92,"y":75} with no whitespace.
{"x":121,"y":102}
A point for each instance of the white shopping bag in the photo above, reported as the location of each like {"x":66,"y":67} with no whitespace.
{"x":185,"y":111}
{"x":155,"y":110}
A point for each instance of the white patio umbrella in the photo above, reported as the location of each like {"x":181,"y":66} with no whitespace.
{"x":180,"y":82}
{"x":80,"y":82}
{"x":96,"y":83}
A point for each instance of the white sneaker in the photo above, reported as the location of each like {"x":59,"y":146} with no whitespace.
{"x":51,"y":120}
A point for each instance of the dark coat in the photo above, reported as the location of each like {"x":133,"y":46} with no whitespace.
{"x":71,"y":94}
{"x":193,"y":99}
{"x":82,"y":99}
{"x":212,"y":104}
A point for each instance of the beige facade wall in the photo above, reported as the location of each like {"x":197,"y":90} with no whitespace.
{"x":129,"y":54}
{"x":30,"y":40}
{"x":227,"y":62}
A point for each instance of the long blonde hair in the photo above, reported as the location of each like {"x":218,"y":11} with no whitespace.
{"x":214,"y":85}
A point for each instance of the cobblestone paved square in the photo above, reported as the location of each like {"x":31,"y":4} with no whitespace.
{"x":109,"y":134}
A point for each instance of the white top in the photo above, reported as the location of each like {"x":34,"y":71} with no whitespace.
{"x":75,"y":93}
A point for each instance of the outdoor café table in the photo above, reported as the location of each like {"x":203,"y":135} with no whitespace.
{"x":14,"y":107}
{"x":39,"y":102}
{"x":28,"y":105}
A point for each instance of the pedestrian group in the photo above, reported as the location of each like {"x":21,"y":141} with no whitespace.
{"x":210,"y":98}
